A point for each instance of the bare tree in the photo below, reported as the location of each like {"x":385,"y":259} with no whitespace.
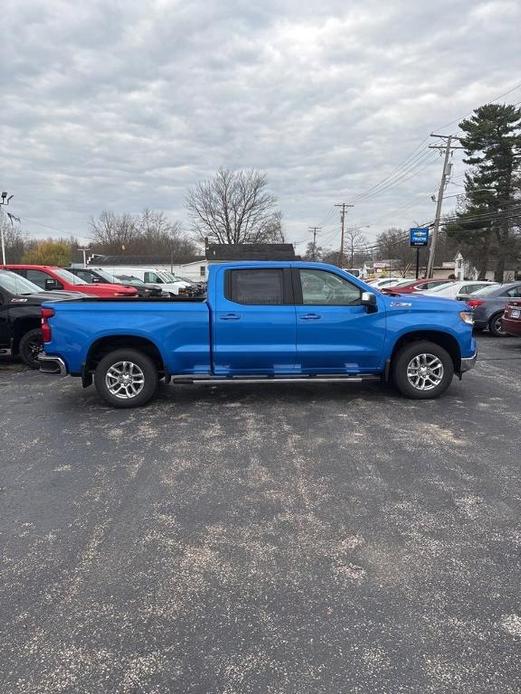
{"x":15,"y":242}
{"x":149,"y":233}
{"x":114,"y":233}
{"x":355,"y":246}
{"x":234,"y":207}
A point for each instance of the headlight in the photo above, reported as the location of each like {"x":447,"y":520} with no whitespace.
{"x":467,"y":317}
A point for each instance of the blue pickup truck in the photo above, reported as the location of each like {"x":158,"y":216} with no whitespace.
{"x":262,"y":321}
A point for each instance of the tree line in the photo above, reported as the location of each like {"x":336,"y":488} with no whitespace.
{"x":236,"y":207}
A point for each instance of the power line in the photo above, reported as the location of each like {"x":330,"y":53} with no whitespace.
{"x":399,"y":173}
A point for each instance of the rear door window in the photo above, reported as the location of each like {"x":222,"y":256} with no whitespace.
{"x":255,"y":287}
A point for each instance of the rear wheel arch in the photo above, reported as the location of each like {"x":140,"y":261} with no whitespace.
{"x":443,"y":339}
{"x":110,"y":343}
{"x":21,"y":327}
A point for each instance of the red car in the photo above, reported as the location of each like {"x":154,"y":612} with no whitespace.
{"x":53,"y":278}
{"x":512,"y":318}
{"x":414,"y":286}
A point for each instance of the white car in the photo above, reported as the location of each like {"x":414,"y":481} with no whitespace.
{"x":385,"y":282}
{"x":457,"y":290}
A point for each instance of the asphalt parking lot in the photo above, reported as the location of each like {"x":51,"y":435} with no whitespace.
{"x":291,"y":538}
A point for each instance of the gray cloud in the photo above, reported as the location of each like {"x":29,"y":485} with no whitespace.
{"x":125,"y":105}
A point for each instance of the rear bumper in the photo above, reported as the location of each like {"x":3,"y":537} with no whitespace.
{"x":52,"y":365}
{"x":468,"y":363}
{"x":512,"y":327}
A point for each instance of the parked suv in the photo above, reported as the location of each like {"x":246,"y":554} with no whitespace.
{"x":489,"y":303}
{"x":51,"y":278}
{"x":20,"y":301}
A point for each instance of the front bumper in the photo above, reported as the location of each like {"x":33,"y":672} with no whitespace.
{"x":52,"y":365}
{"x":468,"y":363}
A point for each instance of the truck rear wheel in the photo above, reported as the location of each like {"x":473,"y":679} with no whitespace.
{"x":30,"y":347}
{"x":126,"y":378}
{"x":422,"y":370}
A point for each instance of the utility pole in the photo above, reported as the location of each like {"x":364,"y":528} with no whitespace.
{"x":344,"y":206}
{"x":448,"y":147}
{"x":4,"y":200}
{"x":315,"y":230}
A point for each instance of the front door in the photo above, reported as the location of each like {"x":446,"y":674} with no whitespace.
{"x":5,"y":336}
{"x":335,"y":333}
{"x":254,"y":326}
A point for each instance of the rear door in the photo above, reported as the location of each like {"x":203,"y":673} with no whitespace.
{"x":335,"y":333}
{"x":254,"y":325}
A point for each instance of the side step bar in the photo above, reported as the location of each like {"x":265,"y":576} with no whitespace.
{"x":230,"y":380}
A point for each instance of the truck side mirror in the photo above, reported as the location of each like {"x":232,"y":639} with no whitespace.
{"x":369,"y":299}
{"x":51,"y":284}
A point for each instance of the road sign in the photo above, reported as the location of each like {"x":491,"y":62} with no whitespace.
{"x":419,"y":236}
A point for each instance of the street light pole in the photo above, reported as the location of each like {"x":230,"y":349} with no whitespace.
{"x":4,"y":200}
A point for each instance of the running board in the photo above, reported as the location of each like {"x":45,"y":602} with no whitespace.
{"x":230,"y":380}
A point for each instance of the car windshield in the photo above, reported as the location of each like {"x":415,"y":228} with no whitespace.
{"x":15,"y":284}
{"x":486,"y":291}
{"x":111,"y":279}
{"x":439,"y":287}
{"x":68,"y":276}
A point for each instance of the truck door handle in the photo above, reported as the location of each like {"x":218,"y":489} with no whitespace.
{"x":310,"y":316}
{"x":230,"y":316}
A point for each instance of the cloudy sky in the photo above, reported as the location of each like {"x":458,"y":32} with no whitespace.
{"x":123,"y":105}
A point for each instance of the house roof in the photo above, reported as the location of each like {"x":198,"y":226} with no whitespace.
{"x":251,"y":251}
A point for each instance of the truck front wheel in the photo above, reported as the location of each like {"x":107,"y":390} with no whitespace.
{"x":126,"y":378}
{"x":422,"y":370}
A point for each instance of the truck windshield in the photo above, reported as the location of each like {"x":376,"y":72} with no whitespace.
{"x":68,"y":276}
{"x":15,"y":284}
{"x":168,"y":277}
{"x":129,"y":278}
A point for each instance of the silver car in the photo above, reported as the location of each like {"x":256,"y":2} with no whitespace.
{"x":489,"y":303}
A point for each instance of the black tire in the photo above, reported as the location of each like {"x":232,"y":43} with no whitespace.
{"x":495,"y":327}
{"x":443,"y":370}
{"x":142,"y":368}
{"x":30,"y":347}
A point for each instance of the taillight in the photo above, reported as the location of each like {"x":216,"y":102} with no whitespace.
{"x":46,"y":313}
{"x":474,"y":303}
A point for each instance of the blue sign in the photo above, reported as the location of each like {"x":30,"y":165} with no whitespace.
{"x":419,"y":236}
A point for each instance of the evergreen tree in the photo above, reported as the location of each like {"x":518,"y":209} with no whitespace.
{"x":488,"y":221}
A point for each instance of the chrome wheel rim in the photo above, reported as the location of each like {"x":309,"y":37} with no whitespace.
{"x":125,"y":380}
{"x":425,"y":371}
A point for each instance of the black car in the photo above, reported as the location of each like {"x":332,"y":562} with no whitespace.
{"x":97,"y":275}
{"x":20,"y":302}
